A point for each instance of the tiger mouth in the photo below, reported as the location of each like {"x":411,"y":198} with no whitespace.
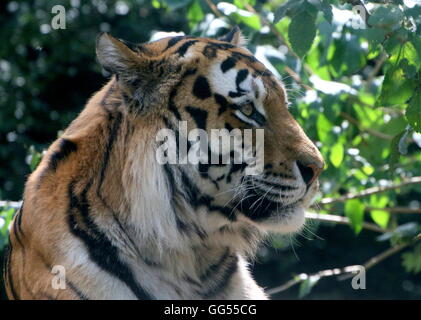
{"x":256,"y":206}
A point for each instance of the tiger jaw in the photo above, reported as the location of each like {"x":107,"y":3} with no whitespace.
{"x":274,"y":216}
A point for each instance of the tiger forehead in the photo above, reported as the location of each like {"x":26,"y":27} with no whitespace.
{"x":222,"y":63}
{"x":193,"y":47}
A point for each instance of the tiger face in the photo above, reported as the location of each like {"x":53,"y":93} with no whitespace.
{"x":218,"y":84}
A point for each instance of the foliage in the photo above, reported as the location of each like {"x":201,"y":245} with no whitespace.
{"x":354,"y":86}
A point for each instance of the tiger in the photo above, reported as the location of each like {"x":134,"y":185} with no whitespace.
{"x":101,"y":218}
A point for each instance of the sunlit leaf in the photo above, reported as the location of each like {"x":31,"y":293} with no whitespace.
{"x":396,"y":88}
{"x":354,"y":210}
{"x":323,"y":127}
{"x":301,"y":32}
{"x":413,"y":112}
{"x":337,"y":154}
{"x":381,"y":217}
{"x":307,"y":285}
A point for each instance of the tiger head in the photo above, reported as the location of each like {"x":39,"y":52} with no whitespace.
{"x":213,"y":84}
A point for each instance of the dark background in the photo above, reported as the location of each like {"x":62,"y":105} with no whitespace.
{"x":46,"y":76}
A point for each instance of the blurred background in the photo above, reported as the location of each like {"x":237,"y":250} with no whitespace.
{"x":352,"y":71}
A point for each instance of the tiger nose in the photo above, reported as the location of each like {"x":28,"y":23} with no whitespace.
{"x":310,"y":172}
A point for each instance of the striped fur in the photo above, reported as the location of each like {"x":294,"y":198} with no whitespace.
{"x":126,"y":227}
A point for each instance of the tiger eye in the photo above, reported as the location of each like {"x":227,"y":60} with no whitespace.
{"x":247,"y":109}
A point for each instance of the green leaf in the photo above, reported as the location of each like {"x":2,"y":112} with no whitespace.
{"x":386,"y":17}
{"x":251,"y":20}
{"x":403,"y":232}
{"x":337,"y":154}
{"x":394,"y":150}
{"x":307,"y":285}
{"x":326,"y":8}
{"x":354,"y":210}
{"x":302,"y":31}
{"x":6,"y":216}
{"x":34,"y":158}
{"x":413,"y":112}
{"x":374,"y":35}
{"x":409,"y":69}
{"x":195,"y":13}
{"x":411,"y":261}
{"x":323,"y":127}
{"x":380,"y":217}
{"x":396,"y":89}
{"x":288,"y":8}
{"x":410,"y":53}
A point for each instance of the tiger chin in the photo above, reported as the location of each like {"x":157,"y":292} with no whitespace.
{"x":102,"y":219}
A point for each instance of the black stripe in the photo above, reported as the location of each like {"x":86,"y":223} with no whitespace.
{"x":191,"y":191}
{"x":234,"y":94}
{"x":100,"y":248}
{"x":66,"y":147}
{"x":228,"y":126}
{"x":206,"y":200}
{"x":230,"y":35}
{"x":275,"y":185}
{"x":210,"y":51}
{"x":8,"y":272}
{"x":229,"y":264}
{"x":222,"y":46}
{"x":227,"y":64}
{"x":199,"y":116}
{"x":241,"y":76}
{"x":201,"y":88}
{"x":19,"y":216}
{"x":214,"y":268}
{"x":222,"y":102}
{"x":181,"y":225}
{"x":72,"y":286}
{"x":171,"y":104}
{"x":114,"y":122}
{"x":185,"y":46}
{"x":173,"y":41}
{"x":132,"y":46}
{"x":238,"y":55}
{"x":240,"y":167}
{"x":16,"y":229}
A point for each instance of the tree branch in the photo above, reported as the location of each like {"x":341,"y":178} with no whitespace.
{"x":379,"y":64}
{"x":341,"y":220}
{"x":346,"y":272}
{"x":370,"y":191}
{"x":11,"y":204}
{"x":318,"y":275}
{"x":370,"y":131}
{"x":397,"y":210}
{"x":384,"y":255}
{"x":214,"y":9}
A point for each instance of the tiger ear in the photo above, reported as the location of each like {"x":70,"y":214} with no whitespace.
{"x":234,"y":37}
{"x":144,"y":84}
{"x":115,"y":56}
